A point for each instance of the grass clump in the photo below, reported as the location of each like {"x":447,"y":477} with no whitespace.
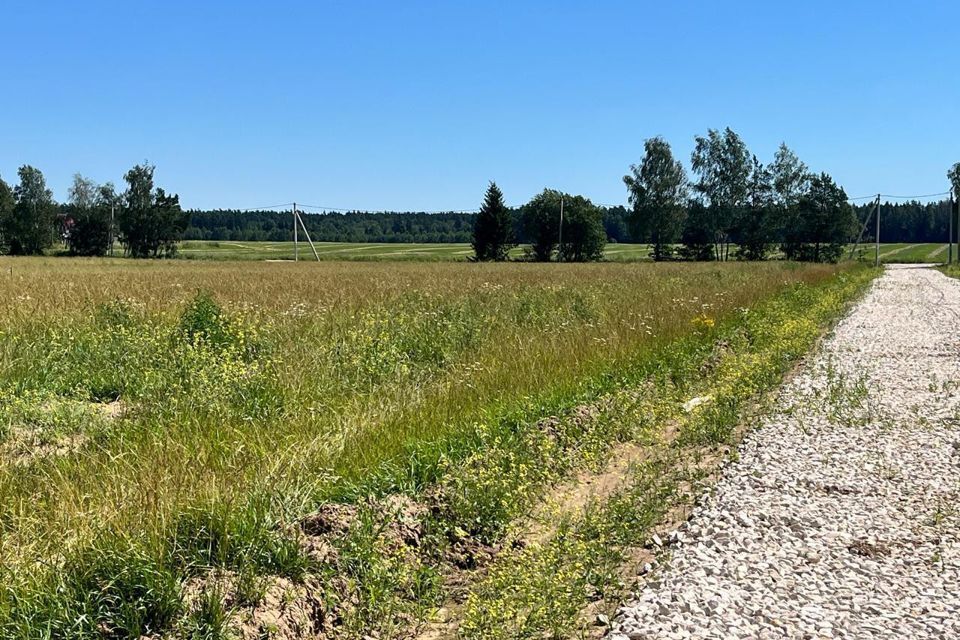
{"x":241,"y":538}
{"x":204,"y":321}
{"x":210,"y":618}
{"x":112,"y":589}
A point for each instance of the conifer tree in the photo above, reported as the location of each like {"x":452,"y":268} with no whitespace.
{"x":493,"y":228}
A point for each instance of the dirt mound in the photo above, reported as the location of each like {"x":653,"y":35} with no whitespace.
{"x":287,"y":611}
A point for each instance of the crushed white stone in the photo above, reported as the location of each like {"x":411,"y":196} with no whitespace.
{"x":841,"y":518}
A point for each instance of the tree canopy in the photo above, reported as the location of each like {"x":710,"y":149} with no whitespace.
{"x":151,"y":222}
{"x":541,"y":223}
{"x":580,"y":238}
{"x":6,"y":211}
{"x":722,"y":164}
{"x":657,"y":192}
{"x":825,"y":222}
{"x":493,"y":227}
{"x":28,"y":227}
{"x":87,"y":225}
{"x":583,"y":236}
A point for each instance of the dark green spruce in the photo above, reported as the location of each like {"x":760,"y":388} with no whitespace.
{"x":493,"y":228}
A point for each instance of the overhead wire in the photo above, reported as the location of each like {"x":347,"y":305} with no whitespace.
{"x":887,"y":195}
{"x":602,"y":204}
{"x":275,"y":206}
{"x":928,"y":195}
{"x":346,"y":210}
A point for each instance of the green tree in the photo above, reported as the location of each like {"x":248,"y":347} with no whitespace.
{"x":657,"y":191}
{"x":87,"y":227}
{"x":584,"y":235}
{"x":6,"y":212}
{"x":758,"y":220}
{"x":150,"y":222}
{"x":29,"y":227}
{"x":791,"y":178}
{"x":698,"y":236}
{"x":541,"y":223}
{"x":723,"y":164}
{"x":493,"y":227}
{"x":954,"y":176}
{"x":825,"y":220}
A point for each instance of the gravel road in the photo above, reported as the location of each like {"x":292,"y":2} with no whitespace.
{"x":841,"y":518}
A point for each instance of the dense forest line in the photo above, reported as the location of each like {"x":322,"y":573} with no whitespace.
{"x":365,"y":226}
{"x":353,"y":226}
{"x":910,"y":221}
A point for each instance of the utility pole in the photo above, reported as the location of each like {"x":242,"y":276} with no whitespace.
{"x":955,"y":224}
{"x":560,"y":240}
{"x":306,"y":234}
{"x":112,"y":206}
{"x":296,"y":247}
{"x":877,"y":250}
{"x":950,"y":235}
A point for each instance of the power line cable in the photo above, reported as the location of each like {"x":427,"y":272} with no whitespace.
{"x":928,"y":195}
{"x":887,"y":195}
{"x":602,"y":204}
{"x":275,"y":206}
{"x":345,"y":210}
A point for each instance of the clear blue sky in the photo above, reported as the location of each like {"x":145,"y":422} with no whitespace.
{"x":416,"y":105}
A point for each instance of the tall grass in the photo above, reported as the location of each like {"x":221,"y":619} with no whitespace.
{"x":242,"y":399}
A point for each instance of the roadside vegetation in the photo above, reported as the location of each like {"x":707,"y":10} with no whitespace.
{"x":319,"y":449}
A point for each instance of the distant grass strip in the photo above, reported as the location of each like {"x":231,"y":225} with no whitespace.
{"x":374,"y":251}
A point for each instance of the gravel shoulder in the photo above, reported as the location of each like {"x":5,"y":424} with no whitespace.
{"x":841,"y":516}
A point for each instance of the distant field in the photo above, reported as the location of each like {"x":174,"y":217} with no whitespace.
{"x":229,"y":250}
{"x":445,"y":252}
{"x":907,"y":252}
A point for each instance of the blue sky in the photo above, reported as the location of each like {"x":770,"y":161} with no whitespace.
{"x":416,"y":105}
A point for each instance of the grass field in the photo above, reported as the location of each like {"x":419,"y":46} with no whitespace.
{"x":444,"y":252}
{"x":198,"y":450}
{"x":224,"y":250}
{"x":908,"y":253}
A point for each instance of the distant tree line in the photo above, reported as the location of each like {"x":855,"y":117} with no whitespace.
{"x":352,"y":226}
{"x":366,"y":226}
{"x":902,"y":222}
{"x":146,"y":220}
{"x":732,"y":206}
{"x":909,"y":221}
{"x":735,"y":206}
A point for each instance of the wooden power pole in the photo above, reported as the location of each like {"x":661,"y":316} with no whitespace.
{"x":950,"y":235}
{"x":560,"y":239}
{"x":877,"y":241}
